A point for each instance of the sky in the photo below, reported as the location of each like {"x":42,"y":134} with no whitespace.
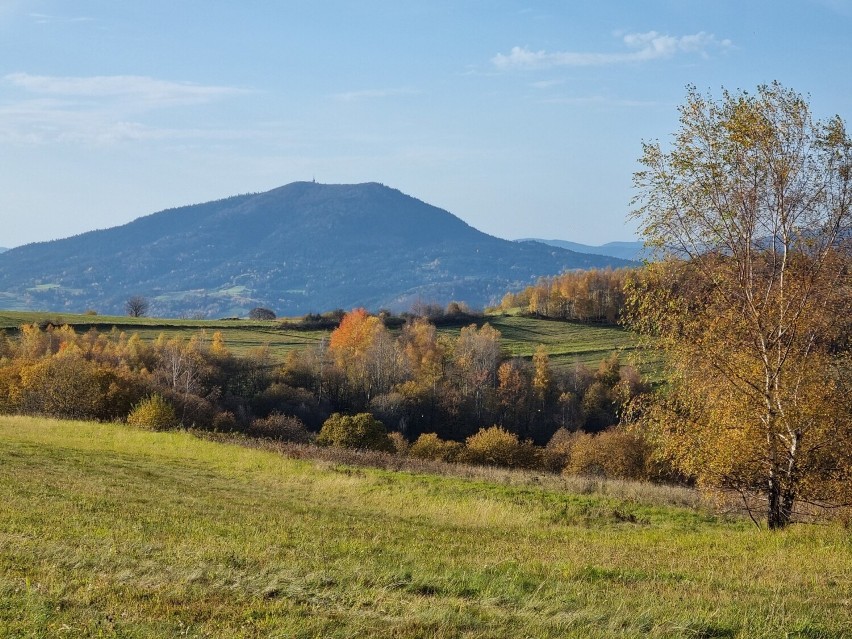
{"x":525,"y":119}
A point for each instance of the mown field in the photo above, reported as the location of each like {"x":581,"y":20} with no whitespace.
{"x":567,"y":343}
{"x":111,"y":532}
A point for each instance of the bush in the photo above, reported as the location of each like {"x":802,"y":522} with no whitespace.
{"x":260,"y":313}
{"x":401,"y":445}
{"x":153,"y":413}
{"x":496,"y":446}
{"x":64,"y":386}
{"x":557,"y":453}
{"x":355,"y":431}
{"x":430,"y":446}
{"x":613,"y":453}
{"x":282,"y":398}
{"x":224,"y":422}
{"x":284,"y":427}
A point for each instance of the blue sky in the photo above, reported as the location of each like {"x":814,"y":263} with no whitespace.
{"x":525,"y":119}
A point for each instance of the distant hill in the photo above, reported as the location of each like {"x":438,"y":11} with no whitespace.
{"x":634,"y":251}
{"x":3,"y":250}
{"x":298,"y":248}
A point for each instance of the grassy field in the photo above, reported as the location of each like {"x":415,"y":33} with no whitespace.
{"x":241,"y":335}
{"x":110,"y":532}
{"x":570,"y":343}
{"x":566,"y":343}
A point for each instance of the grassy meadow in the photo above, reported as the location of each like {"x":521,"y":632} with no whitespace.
{"x":113,"y":532}
{"x":567,"y":343}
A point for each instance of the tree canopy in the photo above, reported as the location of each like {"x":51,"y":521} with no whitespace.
{"x":749,"y":211}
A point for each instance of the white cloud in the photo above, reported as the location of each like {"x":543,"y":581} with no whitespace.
{"x":370,"y":94}
{"x":642,"y":47}
{"x":547,"y":84}
{"x":150,"y":91}
{"x":98,"y":109}
{"x":44,"y":18}
{"x":602,"y":101}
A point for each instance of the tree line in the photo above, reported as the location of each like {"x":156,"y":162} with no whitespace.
{"x":592,"y":296}
{"x":415,"y":381}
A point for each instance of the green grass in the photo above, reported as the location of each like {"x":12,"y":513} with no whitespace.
{"x":570,"y":343}
{"x":241,"y":336}
{"x":567,"y":343}
{"x":106,"y":531}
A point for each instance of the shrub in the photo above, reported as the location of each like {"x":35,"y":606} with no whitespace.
{"x":401,"y":445}
{"x":64,"y":386}
{"x":557,"y":453}
{"x":224,"y":422}
{"x":260,"y":313}
{"x":430,"y":446}
{"x":355,"y":431}
{"x":496,"y":446}
{"x":612,"y":453}
{"x":153,"y":413}
{"x":284,"y":427}
{"x":287,"y":400}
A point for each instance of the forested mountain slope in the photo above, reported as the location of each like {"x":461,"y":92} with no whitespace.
{"x":298,"y":248}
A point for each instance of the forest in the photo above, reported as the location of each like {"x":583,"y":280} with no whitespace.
{"x":435,"y":391}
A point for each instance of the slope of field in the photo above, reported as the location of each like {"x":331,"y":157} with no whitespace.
{"x":106,"y":531}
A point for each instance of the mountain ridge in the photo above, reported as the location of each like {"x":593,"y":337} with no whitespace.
{"x":633,"y":251}
{"x":297,"y":248}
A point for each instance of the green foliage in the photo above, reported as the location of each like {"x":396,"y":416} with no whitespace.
{"x":153,"y":413}
{"x":355,"y":431}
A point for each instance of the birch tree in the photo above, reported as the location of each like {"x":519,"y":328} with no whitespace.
{"x":749,"y":211}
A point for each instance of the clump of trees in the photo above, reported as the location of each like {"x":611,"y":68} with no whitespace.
{"x":261,"y":313}
{"x":592,"y":296}
{"x":449,"y":396}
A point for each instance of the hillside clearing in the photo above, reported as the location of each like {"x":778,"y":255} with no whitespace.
{"x":109,"y":531}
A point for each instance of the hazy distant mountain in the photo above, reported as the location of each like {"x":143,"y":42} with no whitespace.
{"x":3,"y":250}
{"x":298,"y":248}
{"x":635,"y":251}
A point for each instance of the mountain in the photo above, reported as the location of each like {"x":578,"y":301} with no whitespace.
{"x":298,"y":248}
{"x":3,"y":250}
{"x":634,"y":251}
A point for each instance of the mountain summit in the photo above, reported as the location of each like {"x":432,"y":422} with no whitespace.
{"x":298,"y":248}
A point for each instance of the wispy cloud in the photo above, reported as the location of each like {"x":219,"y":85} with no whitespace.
{"x":44,"y":18}
{"x":547,"y":84}
{"x":641,"y":47}
{"x":603,"y":101}
{"x":98,"y":109}
{"x":150,"y":91}
{"x":372,"y":94}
